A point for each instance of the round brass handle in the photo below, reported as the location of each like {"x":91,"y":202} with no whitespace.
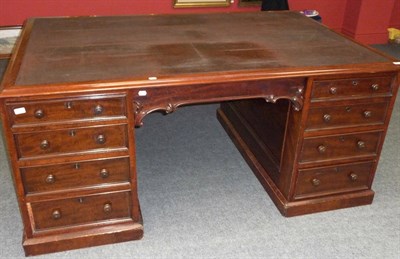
{"x":321,"y":149}
{"x":333,"y":90}
{"x":98,"y":109}
{"x":327,"y":117}
{"x":56,"y":214}
{"x":315,"y":182}
{"x":107,"y":208}
{"x":375,"y":87}
{"x":360,"y":144}
{"x":100,"y":139}
{"x":68,"y":105}
{"x":355,"y":82}
{"x":50,"y":178}
{"x":39,"y":114}
{"x":104,"y":173}
{"x":367,"y":114}
{"x":44,"y":145}
{"x":353,"y":176}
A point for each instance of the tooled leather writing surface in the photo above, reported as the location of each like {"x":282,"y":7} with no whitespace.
{"x":128,"y":47}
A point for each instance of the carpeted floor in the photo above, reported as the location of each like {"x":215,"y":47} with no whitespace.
{"x":200,"y":200}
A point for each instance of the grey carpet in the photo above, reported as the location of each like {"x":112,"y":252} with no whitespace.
{"x":200,"y":200}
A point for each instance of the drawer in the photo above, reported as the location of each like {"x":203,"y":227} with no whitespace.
{"x":340,"y":146}
{"x":348,"y":115}
{"x":81,"y":210}
{"x":74,"y":175}
{"x":348,"y":88}
{"x":71,"y":140}
{"x":333,"y":180}
{"x":66,"y":109}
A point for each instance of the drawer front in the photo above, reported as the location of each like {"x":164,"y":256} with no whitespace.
{"x":72,"y":175}
{"x":82,"y":210}
{"x":340,"y":146}
{"x":66,"y":109}
{"x":376,"y":86}
{"x":333,"y":180}
{"x":71,"y":140}
{"x":349,"y":115}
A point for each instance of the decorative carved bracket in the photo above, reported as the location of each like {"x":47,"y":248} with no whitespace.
{"x":140,"y":111}
{"x":169,"y":98}
{"x":297,"y":99}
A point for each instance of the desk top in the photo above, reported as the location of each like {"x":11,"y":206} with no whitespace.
{"x":176,"y":49}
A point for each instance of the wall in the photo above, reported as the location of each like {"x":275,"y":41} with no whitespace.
{"x":365,"y":20}
{"x":395,"y":17}
{"x":331,"y":11}
{"x":368,"y":20}
{"x":14,"y":12}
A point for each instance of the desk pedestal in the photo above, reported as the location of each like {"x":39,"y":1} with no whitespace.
{"x":324,"y":156}
{"x":239,"y":131}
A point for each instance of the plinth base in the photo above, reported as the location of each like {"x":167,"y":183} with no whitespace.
{"x":86,"y":238}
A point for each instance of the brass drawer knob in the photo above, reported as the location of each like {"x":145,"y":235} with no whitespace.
{"x":367,"y":114}
{"x":68,"y":105}
{"x":100,"y":139}
{"x":39,"y":114}
{"x":354,"y":82}
{"x":98,"y":109}
{"x":107,"y":208}
{"x":72,"y":133}
{"x":104,"y":173}
{"x":45,"y":144}
{"x":56,"y":214}
{"x":50,"y":178}
{"x":321,"y":149}
{"x":375,"y":87}
{"x":316,"y":182}
{"x":327,"y":117}
{"x":353,"y":176}
{"x":333,"y":90}
{"x":360,"y":144}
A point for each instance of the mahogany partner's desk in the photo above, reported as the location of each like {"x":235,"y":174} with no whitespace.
{"x":76,"y":88}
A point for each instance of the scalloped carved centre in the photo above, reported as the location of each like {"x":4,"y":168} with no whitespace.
{"x":169,"y":98}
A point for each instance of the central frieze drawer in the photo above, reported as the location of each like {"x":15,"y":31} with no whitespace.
{"x":81,"y":210}
{"x":67,"y":109}
{"x":340,"y":146}
{"x":332,"y":180}
{"x":348,"y":88}
{"x":73,"y":175}
{"x":71,"y":140}
{"x":345,"y":116}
